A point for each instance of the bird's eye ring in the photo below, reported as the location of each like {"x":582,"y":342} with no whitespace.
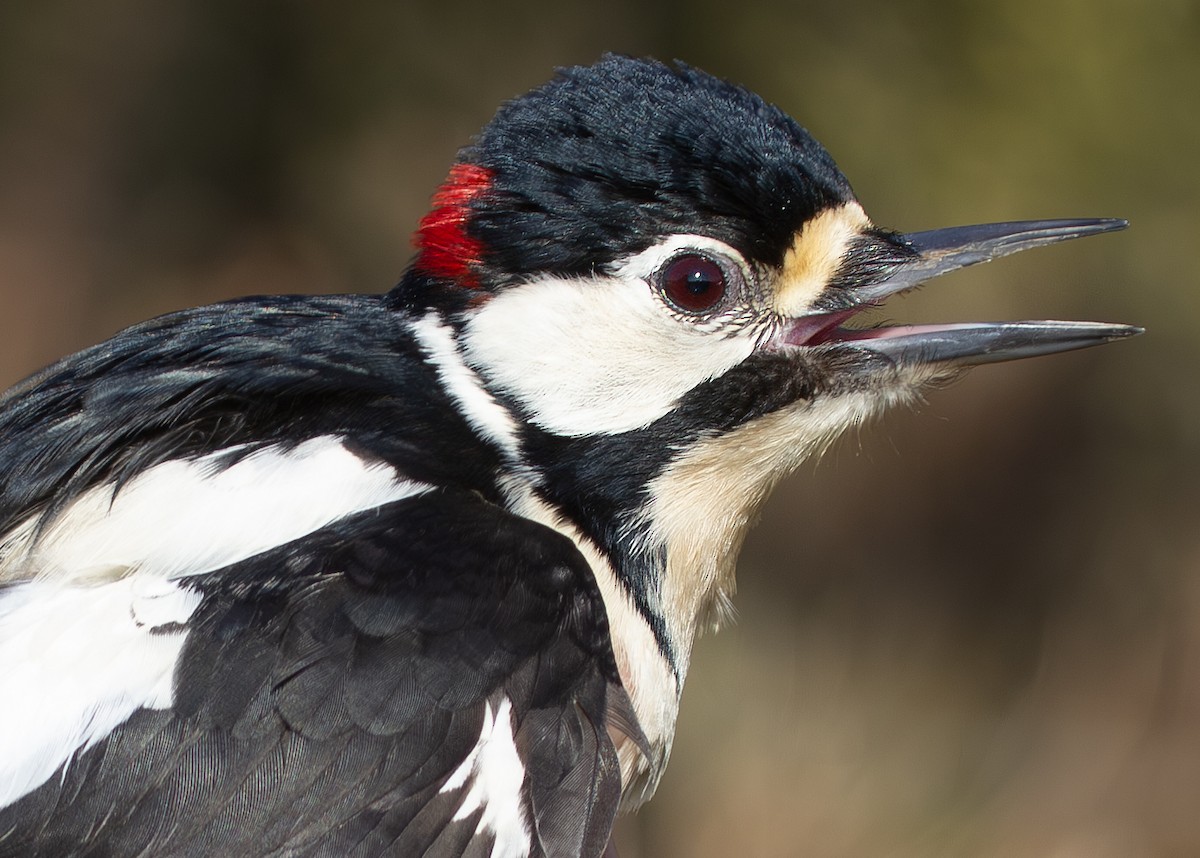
{"x":693,"y":282}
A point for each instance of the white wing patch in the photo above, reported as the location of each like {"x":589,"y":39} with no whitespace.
{"x":495,"y":774}
{"x":76,"y":662}
{"x":185,"y":517}
{"x":93,"y":620}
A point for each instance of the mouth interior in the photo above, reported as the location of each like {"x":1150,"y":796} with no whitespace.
{"x":823,"y":328}
{"x":826,"y":328}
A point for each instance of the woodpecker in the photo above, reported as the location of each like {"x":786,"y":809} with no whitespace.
{"x":420,"y":573}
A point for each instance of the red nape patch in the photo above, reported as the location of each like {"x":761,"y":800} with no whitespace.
{"x":445,"y":248}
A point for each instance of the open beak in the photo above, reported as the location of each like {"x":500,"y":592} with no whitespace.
{"x":936,"y":252}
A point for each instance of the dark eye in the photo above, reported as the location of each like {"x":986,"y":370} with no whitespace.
{"x":693,"y":282}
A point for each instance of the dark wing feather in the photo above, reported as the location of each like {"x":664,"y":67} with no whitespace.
{"x":328,"y":688}
{"x":253,"y":372}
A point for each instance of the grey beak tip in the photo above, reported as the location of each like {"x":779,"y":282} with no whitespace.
{"x":1111,"y":224}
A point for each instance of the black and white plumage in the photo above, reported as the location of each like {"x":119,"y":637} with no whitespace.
{"x":420,"y":573}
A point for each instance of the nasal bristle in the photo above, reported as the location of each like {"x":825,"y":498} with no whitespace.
{"x":446,"y":250}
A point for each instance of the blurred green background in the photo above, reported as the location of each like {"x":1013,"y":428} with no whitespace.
{"x":972,"y":630}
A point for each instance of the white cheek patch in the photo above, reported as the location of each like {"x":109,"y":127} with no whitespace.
{"x":493,"y":775}
{"x":94,"y":618}
{"x":594,"y":356}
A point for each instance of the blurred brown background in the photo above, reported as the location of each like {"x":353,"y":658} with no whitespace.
{"x":970,"y":631}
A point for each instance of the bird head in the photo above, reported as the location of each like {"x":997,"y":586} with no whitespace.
{"x":655,"y":270}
